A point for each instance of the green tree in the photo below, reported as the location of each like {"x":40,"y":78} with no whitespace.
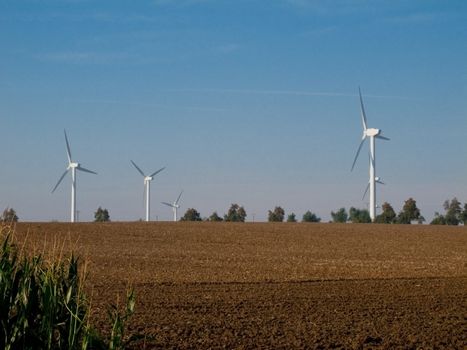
{"x":409,"y":212}
{"x":215,"y":218}
{"x":291,"y":218}
{"x":340,"y":216}
{"x":236,"y":213}
{"x":277,"y":215}
{"x":191,"y":215}
{"x":101,"y":215}
{"x":453,"y":212}
{"x":438,"y":219}
{"x":388,"y":216}
{"x":310,"y":217}
{"x":463,"y":216}
{"x":359,"y":216}
{"x":9,"y":215}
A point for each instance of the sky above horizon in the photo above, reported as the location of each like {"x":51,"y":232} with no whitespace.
{"x":245,"y":101}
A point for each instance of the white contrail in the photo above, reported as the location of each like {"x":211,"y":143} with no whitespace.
{"x":283,"y":92}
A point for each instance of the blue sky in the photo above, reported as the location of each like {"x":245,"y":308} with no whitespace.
{"x":250,"y":102}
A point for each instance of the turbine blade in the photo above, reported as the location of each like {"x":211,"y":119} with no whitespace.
{"x":176,"y":202}
{"x":86,"y":170}
{"x":60,"y":180}
{"x":366,"y":190}
{"x":137,"y":168}
{"x":383,"y":138}
{"x":68,"y":151}
{"x":358,"y":152}
{"x":156,"y":172}
{"x":168,"y":204}
{"x":362,"y":107}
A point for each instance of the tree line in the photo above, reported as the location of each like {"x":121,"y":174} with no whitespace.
{"x":454,"y":214}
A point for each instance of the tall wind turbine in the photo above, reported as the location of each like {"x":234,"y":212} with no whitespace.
{"x":147,"y":187}
{"x":73,"y":166}
{"x":372,"y":134}
{"x":174,"y":205}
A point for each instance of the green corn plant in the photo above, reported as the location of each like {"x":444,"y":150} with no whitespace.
{"x":119,"y":321}
{"x":43,"y":304}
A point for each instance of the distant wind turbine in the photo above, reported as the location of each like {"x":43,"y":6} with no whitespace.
{"x":377,"y":180}
{"x":174,"y":205}
{"x":73,"y":166}
{"x":147,"y":187}
{"x":370,"y":133}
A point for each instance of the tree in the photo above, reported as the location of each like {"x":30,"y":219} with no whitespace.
{"x":340,"y":216}
{"x":388,"y":216}
{"x":409,"y":212}
{"x":9,"y":215}
{"x":101,"y":215}
{"x":215,"y":218}
{"x":291,"y":218}
{"x":191,"y":215}
{"x":463,"y":215}
{"x":277,"y":215}
{"x":310,"y":217}
{"x":438,"y":219}
{"x":235,"y":214}
{"x":359,"y":216}
{"x":453,"y":212}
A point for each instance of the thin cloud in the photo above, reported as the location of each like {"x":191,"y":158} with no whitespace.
{"x":415,"y":18}
{"x":137,"y":103}
{"x":286,"y":93}
{"x":73,"y":57}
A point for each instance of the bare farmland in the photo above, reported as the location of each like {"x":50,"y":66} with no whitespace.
{"x":215,"y":285}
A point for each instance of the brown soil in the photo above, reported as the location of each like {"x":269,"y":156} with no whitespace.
{"x":220,"y":285}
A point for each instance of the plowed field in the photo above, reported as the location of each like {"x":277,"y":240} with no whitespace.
{"x":225,"y":285}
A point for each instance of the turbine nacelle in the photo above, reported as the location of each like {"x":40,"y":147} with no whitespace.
{"x":73,"y":165}
{"x":371,"y":132}
{"x":148,"y":178}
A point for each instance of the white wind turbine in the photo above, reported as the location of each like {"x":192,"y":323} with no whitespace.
{"x":147,"y":187}
{"x":73,"y":166}
{"x":174,"y":205}
{"x":377,"y":180}
{"x":372,"y":134}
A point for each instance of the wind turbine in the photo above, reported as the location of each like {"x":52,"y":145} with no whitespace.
{"x":372,"y":134}
{"x":377,"y":180}
{"x":147,"y":187}
{"x":73,"y":166}
{"x":174,"y":205}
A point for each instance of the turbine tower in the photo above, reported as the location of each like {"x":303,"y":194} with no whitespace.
{"x":174,"y":206}
{"x":147,"y":187}
{"x":73,"y":166}
{"x":372,"y":134}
